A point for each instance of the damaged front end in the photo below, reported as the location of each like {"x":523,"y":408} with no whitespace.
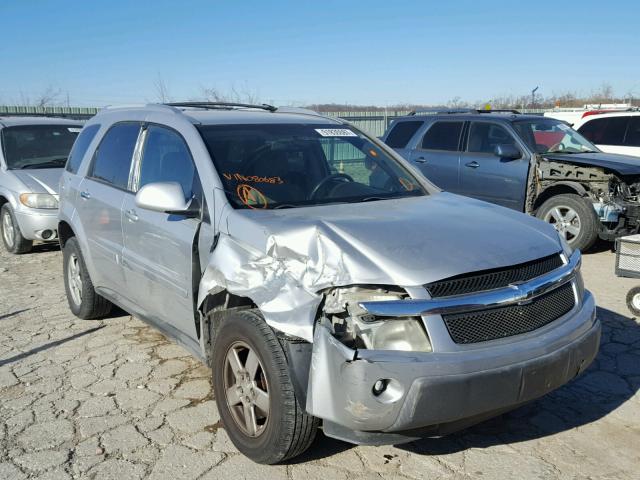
{"x":615,"y":198}
{"x":375,"y":377}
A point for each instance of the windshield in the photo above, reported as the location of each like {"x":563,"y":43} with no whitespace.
{"x":551,"y":136}
{"x":38,"y":146}
{"x":282,"y":166}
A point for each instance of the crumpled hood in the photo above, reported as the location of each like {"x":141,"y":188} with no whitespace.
{"x":43,"y":180}
{"x":282,"y":259}
{"x":623,"y":165}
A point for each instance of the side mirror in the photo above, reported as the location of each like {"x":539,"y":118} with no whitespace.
{"x":165,"y":197}
{"x":507,"y":151}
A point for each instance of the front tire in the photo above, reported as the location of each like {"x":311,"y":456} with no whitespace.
{"x":83,"y":300}
{"x":573,"y":217}
{"x":633,"y":301}
{"x":254,"y":393}
{"x":12,"y":237}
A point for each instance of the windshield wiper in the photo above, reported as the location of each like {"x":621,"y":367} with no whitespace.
{"x":56,"y":162}
{"x":284,"y":205}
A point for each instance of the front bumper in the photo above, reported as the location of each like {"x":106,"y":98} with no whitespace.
{"x":429,"y":392}
{"x":37,"y":225}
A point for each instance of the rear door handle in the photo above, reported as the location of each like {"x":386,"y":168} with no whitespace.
{"x":421,"y":160}
{"x":473,"y":164}
{"x":86,"y":195}
{"x":131,"y":215}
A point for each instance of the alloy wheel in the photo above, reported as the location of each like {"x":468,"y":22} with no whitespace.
{"x":246,"y":389}
{"x":74,"y":278}
{"x":8,"y":230}
{"x":565,"y":220}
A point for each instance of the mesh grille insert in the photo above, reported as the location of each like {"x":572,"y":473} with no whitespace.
{"x":495,"y":278}
{"x":501,"y":322}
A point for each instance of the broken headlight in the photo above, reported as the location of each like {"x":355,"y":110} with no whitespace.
{"x":358,"y":329}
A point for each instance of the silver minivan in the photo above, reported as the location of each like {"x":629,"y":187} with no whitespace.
{"x":318,"y":274}
{"x":33,"y":154}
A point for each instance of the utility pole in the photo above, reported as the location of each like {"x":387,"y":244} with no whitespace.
{"x":533,"y":97}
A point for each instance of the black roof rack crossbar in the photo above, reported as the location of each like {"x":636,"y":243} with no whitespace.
{"x":222,"y":105}
{"x":507,"y":110}
{"x":451,"y":111}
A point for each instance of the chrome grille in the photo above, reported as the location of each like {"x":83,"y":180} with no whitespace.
{"x":495,"y":278}
{"x":501,"y":322}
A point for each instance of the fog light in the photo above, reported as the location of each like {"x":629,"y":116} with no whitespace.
{"x":47,"y":234}
{"x":379,"y":387}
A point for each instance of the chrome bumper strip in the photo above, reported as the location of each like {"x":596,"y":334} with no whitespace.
{"x":521,"y":293}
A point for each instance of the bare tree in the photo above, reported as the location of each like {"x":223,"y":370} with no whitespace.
{"x":235,"y":94}
{"x":161,"y":90}
{"x":48,"y":98}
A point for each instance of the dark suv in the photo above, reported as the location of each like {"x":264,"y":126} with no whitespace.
{"x":529,"y":163}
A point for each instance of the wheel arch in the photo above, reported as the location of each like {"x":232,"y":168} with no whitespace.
{"x":65,"y":232}
{"x":213,"y":310}
{"x":559,"y":188}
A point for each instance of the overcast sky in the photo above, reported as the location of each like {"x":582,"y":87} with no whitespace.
{"x":322,"y":51}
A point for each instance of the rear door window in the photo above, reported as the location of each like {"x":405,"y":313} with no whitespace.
{"x":605,"y":131}
{"x":401,"y":133}
{"x":112,"y":160}
{"x":443,"y":136}
{"x":633,"y":132}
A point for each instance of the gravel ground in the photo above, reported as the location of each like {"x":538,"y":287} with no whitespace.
{"x":115,"y":399}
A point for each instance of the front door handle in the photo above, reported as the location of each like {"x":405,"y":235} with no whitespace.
{"x":473,"y":164}
{"x":421,"y":160}
{"x":85,"y":194}
{"x":131,"y":215}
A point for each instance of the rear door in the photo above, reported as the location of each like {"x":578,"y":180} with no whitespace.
{"x":485,"y":176}
{"x":99,"y":203}
{"x":437,"y":153}
{"x":158,"y":247}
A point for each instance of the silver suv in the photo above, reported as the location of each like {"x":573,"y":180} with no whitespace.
{"x":33,"y":154}
{"x":318,"y":275}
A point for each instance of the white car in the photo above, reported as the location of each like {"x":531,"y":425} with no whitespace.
{"x":614,"y":132}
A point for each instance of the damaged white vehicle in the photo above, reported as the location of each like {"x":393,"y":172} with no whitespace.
{"x":323,"y":280}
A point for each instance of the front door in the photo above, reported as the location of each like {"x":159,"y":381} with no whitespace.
{"x":158,"y":247}
{"x":485,"y":176}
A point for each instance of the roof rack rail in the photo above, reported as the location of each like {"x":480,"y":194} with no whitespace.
{"x":451,"y":111}
{"x":222,"y":105}
{"x":435,"y":111}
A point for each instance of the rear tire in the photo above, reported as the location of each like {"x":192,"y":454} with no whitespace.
{"x":279,"y":432}
{"x":12,"y":237}
{"x":83,"y":300}
{"x":572,"y":216}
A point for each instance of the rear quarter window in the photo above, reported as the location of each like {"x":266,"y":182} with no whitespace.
{"x":80,"y":147}
{"x":401,"y":133}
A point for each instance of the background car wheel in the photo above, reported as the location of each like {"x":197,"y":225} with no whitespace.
{"x":574,"y":217}
{"x":254,"y":393}
{"x":12,"y":237}
{"x":633,"y":301}
{"x":83,"y":300}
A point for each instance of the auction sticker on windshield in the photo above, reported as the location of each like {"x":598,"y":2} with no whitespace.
{"x":335,"y":132}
